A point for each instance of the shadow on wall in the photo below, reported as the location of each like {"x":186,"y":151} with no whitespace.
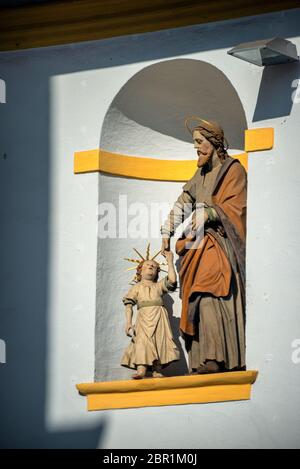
{"x":275,"y":97}
{"x":25,"y":180}
{"x":161,"y":96}
{"x":24,"y":186}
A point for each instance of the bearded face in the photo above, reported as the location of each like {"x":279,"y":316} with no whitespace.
{"x":204,"y":148}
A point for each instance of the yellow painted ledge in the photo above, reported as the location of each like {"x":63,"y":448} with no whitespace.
{"x":162,"y":170}
{"x":138,"y":167}
{"x":259,"y":139}
{"x":196,"y":389}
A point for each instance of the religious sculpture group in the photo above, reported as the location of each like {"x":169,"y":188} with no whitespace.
{"x":212,"y":270}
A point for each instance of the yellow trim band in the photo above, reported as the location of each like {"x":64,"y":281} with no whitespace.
{"x":138,"y":167}
{"x":259,"y":139}
{"x":231,"y":386}
{"x":162,"y":170}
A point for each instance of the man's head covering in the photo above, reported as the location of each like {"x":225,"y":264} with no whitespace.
{"x":210,"y":129}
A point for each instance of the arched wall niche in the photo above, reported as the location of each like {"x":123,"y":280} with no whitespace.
{"x":146,"y":119}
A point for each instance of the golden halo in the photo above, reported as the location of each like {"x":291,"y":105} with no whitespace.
{"x":207,"y":123}
{"x":147,"y":257}
{"x":194,"y":118}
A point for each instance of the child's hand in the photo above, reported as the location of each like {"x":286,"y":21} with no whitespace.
{"x":128,"y":327}
{"x":169,"y":256}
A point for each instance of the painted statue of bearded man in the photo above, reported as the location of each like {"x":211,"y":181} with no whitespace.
{"x":212,"y":267}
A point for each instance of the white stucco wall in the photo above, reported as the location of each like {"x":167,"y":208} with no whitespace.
{"x":57,"y":99}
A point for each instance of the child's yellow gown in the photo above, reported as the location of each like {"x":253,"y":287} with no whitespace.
{"x":152,"y":338}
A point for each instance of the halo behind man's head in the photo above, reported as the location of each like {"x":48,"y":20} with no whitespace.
{"x":210,"y":129}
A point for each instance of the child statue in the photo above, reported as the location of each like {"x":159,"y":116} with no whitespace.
{"x":152,"y":346}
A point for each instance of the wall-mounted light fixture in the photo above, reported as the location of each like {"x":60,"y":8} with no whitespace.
{"x":266,"y":52}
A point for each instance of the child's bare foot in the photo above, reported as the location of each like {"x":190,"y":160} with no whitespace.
{"x":137,"y":376}
{"x":156,"y":374}
{"x":140,"y":372}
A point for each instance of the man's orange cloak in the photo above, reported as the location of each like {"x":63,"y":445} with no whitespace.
{"x":206,"y":268}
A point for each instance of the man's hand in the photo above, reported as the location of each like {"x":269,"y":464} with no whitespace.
{"x":165,"y":246}
{"x":197,"y":220}
{"x":169,"y":256}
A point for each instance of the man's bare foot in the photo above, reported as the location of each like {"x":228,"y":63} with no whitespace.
{"x":201,"y":370}
{"x":210,"y":366}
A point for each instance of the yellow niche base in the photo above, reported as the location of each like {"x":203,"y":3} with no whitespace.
{"x":195,"y":389}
